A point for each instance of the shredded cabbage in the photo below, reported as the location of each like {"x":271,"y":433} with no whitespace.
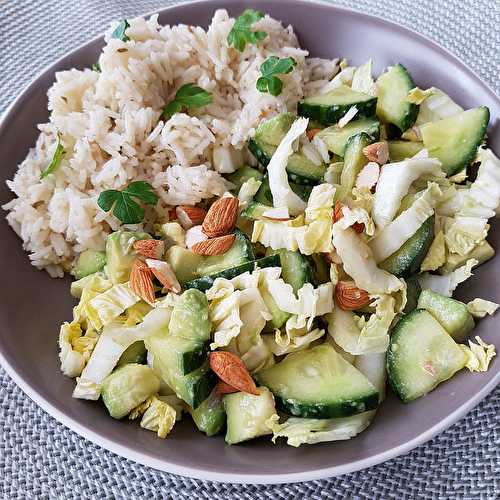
{"x":447,"y":283}
{"x":362,"y":80}
{"x":479,"y":308}
{"x":394,"y":182}
{"x":113,"y":341}
{"x":478,"y":355}
{"x":418,"y":96}
{"x":293,"y":339}
{"x":373,"y":367}
{"x":436,"y":106}
{"x":75,"y":348}
{"x":159,"y":416}
{"x":436,"y":256}
{"x":404,"y":226}
{"x":96,"y":282}
{"x":299,"y":431}
{"x":283,"y":196}
{"x":247,"y":191}
{"x":359,"y":263}
{"x":343,"y":77}
{"x":358,"y":215}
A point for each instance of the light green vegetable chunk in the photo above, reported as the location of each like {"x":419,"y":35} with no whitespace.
{"x":89,"y":262}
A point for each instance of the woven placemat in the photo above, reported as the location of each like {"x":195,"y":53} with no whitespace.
{"x":40,"y":458}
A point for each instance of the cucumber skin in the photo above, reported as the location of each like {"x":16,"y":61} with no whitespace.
{"x":205,"y":282}
{"x":323,"y":410}
{"x":412,"y":294}
{"x":402,"y":265}
{"x":191,"y":360}
{"x":331,"y":114}
{"x":354,"y":159}
{"x":210,"y":416}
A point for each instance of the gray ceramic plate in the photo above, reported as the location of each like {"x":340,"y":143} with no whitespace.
{"x":32,"y":305}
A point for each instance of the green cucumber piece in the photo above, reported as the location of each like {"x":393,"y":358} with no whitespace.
{"x":319,"y":383}
{"x":401,"y":150}
{"x":279,"y":317}
{"x":407,"y":259}
{"x":392,"y":105}
{"x":242,"y":175}
{"x":205,"y":282}
{"x":413,"y":290}
{"x":451,"y":314}
{"x":300,"y":169}
{"x":482,"y":253}
{"x":265,"y":197}
{"x":329,"y":108}
{"x":135,"y":353}
{"x":247,"y":415}
{"x":89,"y":262}
{"x":454,"y":140}
{"x":421,"y":355}
{"x":254,"y":210}
{"x":210,"y":416}
{"x":128,"y":387}
{"x":188,"y":266}
{"x":354,"y":159}
{"x":273,"y":130}
{"x":296,"y":269}
{"x":336,"y":138}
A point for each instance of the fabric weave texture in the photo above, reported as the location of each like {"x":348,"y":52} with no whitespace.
{"x":40,"y":458}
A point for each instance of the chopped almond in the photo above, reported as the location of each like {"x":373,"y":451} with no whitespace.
{"x":312,"y":132}
{"x":214,"y":246}
{"x":223,"y":388}
{"x":377,"y":152}
{"x":221,"y":217}
{"x":194,"y":235}
{"x":359,"y":227}
{"x":164,"y":274}
{"x":190,"y":216}
{"x":349,"y":297}
{"x":141,"y":281}
{"x":230,"y":369}
{"x":152,"y":249}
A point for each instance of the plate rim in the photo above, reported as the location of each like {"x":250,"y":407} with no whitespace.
{"x":165,"y":465}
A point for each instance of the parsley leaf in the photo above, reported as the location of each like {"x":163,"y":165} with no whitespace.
{"x":56,"y":159}
{"x":124,"y":204}
{"x":96,"y":67}
{"x":119,"y":31}
{"x":188,"y":96}
{"x":241,"y":33}
{"x":270,"y":67}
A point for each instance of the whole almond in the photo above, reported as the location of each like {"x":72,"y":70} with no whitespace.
{"x":221,"y":217}
{"x":164,"y":274}
{"x":349,"y":297}
{"x":377,"y":152}
{"x":151,"y":249}
{"x":359,"y":227}
{"x":224,"y":388}
{"x":141,"y":281}
{"x":214,"y":246}
{"x":231,"y":370}
{"x":190,"y":216}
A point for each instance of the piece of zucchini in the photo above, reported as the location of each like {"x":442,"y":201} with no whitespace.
{"x":421,"y":355}
{"x":454,"y":140}
{"x":88,"y":262}
{"x":354,"y":159}
{"x":319,"y":383}
{"x":393,"y":106}
{"x":329,"y":108}
{"x":407,"y":259}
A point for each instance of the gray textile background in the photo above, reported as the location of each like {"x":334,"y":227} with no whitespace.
{"x":39,"y":458}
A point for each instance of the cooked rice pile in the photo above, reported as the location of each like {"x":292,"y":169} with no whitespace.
{"x":112,"y":131}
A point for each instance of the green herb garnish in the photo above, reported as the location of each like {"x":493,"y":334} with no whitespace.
{"x":188,"y":96}
{"x":274,"y":66}
{"x":124,"y":204}
{"x":119,"y":31}
{"x":241,"y":32}
{"x":56,"y":159}
{"x":96,"y":67}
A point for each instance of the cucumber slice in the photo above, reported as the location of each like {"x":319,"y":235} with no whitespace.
{"x":413,"y":290}
{"x":329,"y":108}
{"x":254,"y":210}
{"x":210,"y":416}
{"x":401,"y":150}
{"x":300,"y":169}
{"x":319,"y":383}
{"x":421,"y":355}
{"x":455,"y":140}
{"x":128,"y":387}
{"x":205,"y":282}
{"x":279,"y":317}
{"x":273,"y":130}
{"x":135,"y":353}
{"x":265,"y":197}
{"x":482,"y":253}
{"x":392,"y":104}
{"x":242,"y":175}
{"x":336,"y":138}
{"x":452,"y":314}
{"x":296,"y":269}
{"x":407,"y":259}
{"x":188,"y":265}
{"x":89,"y":262}
{"x":354,"y":159}
{"x":247,"y":415}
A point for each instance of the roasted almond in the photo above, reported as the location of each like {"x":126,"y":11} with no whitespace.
{"x":223,"y":388}
{"x":231,"y":370}
{"x":377,"y":152}
{"x":359,"y":227}
{"x":368,"y":177}
{"x":214,"y":246}
{"x":221,"y":217}
{"x":172,"y":214}
{"x":349,"y":297}
{"x":190,"y":216}
{"x":151,"y":249}
{"x":164,"y":274}
{"x":141,"y":281}
{"x":312,"y":132}
{"x":194,"y":235}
